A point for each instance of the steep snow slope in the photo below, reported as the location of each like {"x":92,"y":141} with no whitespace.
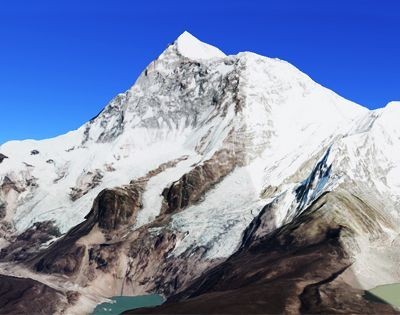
{"x":207,"y":142}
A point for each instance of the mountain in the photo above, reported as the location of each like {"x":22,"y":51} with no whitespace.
{"x":231,"y":184}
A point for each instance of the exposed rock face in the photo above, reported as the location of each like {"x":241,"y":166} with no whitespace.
{"x":9,"y":192}
{"x":8,"y":185}
{"x":85,"y":183}
{"x":2,"y":157}
{"x":28,"y":243}
{"x":26,"y":296}
{"x":60,"y":261}
{"x":116,"y":207}
{"x":192,"y":186}
{"x":3,"y":211}
{"x":64,"y":256}
{"x":111,"y":209}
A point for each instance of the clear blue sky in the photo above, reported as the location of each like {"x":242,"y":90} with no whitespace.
{"x":62,"y":61}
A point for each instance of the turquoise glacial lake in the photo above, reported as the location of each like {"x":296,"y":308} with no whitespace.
{"x":389,"y":293}
{"x":121,"y":304}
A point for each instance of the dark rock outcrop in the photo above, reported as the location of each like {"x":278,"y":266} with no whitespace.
{"x":115,"y":207}
{"x":26,"y":296}
{"x":8,"y":185}
{"x":3,"y":210}
{"x":2,"y":157}
{"x":192,"y":186}
{"x":89,"y":180}
{"x":28,"y":243}
{"x":66,"y":263}
{"x":111,"y":209}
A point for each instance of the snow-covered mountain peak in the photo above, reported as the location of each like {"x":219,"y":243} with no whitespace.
{"x":192,"y":100}
{"x":192,"y":81}
{"x":192,"y":48}
{"x":204,"y":155}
